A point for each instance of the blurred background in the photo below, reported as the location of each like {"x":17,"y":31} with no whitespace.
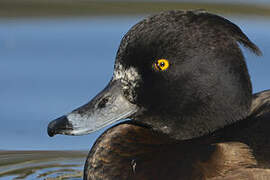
{"x":55,"y":55}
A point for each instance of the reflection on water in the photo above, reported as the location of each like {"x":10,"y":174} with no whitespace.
{"x":50,"y":165}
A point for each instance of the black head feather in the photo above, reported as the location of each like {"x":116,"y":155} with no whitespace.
{"x":207,"y":85}
{"x":232,"y":29}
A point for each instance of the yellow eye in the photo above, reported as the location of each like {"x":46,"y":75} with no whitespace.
{"x":161,"y":65}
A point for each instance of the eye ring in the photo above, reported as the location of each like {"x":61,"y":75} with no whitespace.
{"x":161,"y":65}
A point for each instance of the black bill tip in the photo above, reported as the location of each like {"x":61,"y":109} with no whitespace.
{"x":59,"y":126}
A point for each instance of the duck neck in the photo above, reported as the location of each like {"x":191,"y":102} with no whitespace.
{"x":196,"y":121}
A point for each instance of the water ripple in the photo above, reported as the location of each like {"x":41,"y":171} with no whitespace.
{"x":48,"y":165}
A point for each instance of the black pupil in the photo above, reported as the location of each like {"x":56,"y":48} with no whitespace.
{"x":162,"y":64}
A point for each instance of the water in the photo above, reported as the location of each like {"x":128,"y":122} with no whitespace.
{"x":48,"y":67}
{"x":41,"y":164}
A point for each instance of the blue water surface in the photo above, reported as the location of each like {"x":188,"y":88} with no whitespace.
{"x":48,"y":67}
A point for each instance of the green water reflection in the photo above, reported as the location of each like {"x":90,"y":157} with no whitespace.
{"x":49,"y":165}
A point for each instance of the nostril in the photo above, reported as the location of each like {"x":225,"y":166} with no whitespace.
{"x":103,"y":102}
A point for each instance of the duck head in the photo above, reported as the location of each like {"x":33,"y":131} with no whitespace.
{"x":181,"y":73}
